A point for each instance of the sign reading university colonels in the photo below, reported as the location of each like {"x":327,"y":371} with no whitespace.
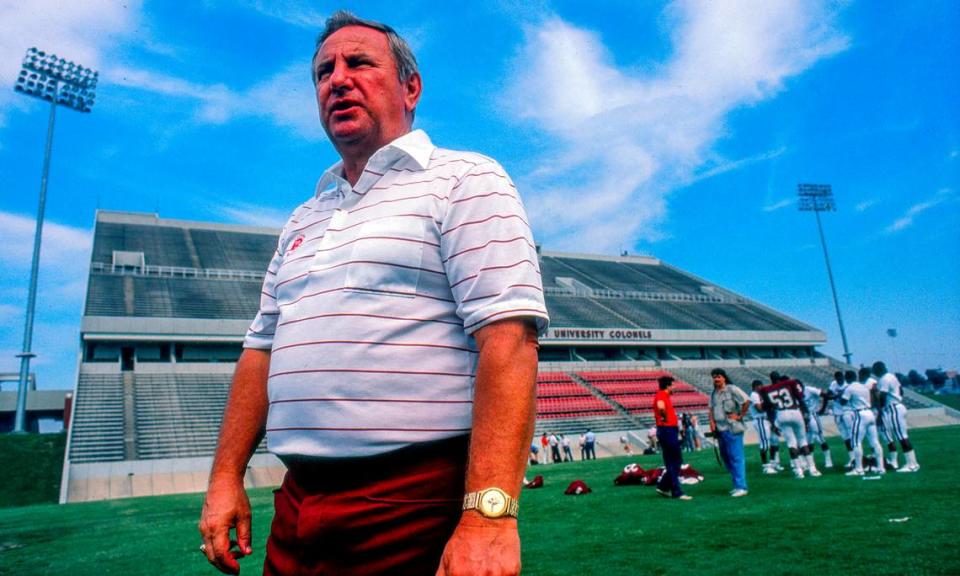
{"x":574,"y":335}
{"x":593,"y":334}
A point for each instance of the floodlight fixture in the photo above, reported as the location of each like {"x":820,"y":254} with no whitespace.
{"x":818,"y":198}
{"x":61,"y":83}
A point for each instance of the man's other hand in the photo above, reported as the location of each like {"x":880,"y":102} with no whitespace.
{"x":225,"y":507}
{"x":482,"y":546}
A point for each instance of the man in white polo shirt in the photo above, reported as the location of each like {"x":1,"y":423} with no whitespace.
{"x":398,"y":321}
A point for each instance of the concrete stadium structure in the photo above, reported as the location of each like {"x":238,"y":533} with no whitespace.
{"x":168,"y":303}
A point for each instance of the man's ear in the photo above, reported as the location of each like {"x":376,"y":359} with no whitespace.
{"x":412,"y":88}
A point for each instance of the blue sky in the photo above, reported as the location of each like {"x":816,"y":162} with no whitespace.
{"x":677,"y":129}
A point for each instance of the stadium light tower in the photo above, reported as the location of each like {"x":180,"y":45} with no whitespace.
{"x":61,"y":83}
{"x":818,"y":198}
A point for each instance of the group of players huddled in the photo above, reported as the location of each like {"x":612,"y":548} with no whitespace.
{"x":865,"y":406}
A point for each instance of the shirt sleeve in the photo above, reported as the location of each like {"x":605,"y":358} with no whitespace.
{"x":488,"y":251}
{"x":261,"y":331}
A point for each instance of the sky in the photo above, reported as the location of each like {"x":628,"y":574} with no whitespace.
{"x":675,"y":129}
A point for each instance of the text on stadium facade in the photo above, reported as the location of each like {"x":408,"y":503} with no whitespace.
{"x":597,"y":334}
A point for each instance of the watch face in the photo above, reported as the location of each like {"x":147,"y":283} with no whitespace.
{"x":492,"y":503}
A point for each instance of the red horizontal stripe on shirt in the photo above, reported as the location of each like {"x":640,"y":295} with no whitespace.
{"x":387,"y":400}
{"x":501,"y":313}
{"x":413,"y":240}
{"x":485,"y":269}
{"x":333,"y":429}
{"x":392,"y":200}
{"x":487,"y":219}
{"x":492,"y":172}
{"x":310,"y":225}
{"x":354,"y":225}
{"x":482,"y":246}
{"x":474,"y":299}
{"x":367,"y":371}
{"x":398,"y":184}
{"x":487,"y":195}
{"x":378,"y":316}
{"x":348,"y":262}
{"x":374,"y":343}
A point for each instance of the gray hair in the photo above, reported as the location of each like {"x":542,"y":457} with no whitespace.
{"x":402,"y":54}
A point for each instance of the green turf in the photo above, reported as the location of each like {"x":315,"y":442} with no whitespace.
{"x":951,"y":400}
{"x":31,"y":466}
{"x":810,"y":527}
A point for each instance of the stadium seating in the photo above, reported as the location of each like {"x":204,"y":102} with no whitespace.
{"x":634,"y":390}
{"x":178,"y":415}
{"x":98,"y":422}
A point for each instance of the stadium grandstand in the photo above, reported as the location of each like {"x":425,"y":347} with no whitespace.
{"x":169,"y":301}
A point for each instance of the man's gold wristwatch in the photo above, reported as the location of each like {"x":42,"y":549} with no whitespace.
{"x":491,"y":503}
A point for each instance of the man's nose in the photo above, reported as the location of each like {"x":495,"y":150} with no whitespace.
{"x":340,"y":77}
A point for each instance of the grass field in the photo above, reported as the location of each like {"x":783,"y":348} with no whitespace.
{"x":30,"y":468}
{"x":951,"y":400}
{"x":815,"y":526}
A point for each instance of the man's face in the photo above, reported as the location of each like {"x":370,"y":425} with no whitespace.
{"x":719,"y":381}
{"x":363,"y":104}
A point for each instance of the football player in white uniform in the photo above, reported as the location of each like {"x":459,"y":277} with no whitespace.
{"x":816,"y":401}
{"x":863,"y":425}
{"x":841,"y":415}
{"x":895,"y":414}
{"x":865,"y":375}
{"x":768,"y":440}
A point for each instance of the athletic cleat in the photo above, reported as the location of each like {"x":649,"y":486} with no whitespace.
{"x":814,"y":472}
{"x":855,"y":473}
{"x":769,"y":470}
{"x":738,"y":493}
{"x":798,"y":473}
{"x":909,"y":468}
{"x":778,"y":467}
{"x":684,"y":497}
{"x":664,"y":493}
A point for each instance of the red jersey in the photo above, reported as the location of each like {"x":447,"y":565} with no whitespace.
{"x":782,"y":395}
{"x":664,"y":396}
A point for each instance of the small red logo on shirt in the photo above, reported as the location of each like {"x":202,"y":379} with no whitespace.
{"x":296,"y":244}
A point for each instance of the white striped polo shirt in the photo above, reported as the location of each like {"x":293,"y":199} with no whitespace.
{"x":370,"y":302}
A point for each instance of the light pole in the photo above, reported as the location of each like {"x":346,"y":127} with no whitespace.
{"x":64,"y":83}
{"x":818,"y":198}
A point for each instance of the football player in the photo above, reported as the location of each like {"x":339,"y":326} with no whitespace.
{"x":841,"y":416}
{"x":785,"y":408}
{"x":865,"y":375}
{"x":895,"y":413}
{"x":764,"y":433}
{"x":816,"y":402}
{"x":863,"y":423}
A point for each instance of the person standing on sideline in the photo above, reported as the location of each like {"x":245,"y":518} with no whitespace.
{"x":668,"y":437}
{"x":392,"y":364}
{"x":590,"y":445}
{"x":583,"y":446}
{"x":567,"y":452}
{"x":728,"y":406}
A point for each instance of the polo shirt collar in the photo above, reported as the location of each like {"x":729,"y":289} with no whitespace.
{"x":414,"y":146}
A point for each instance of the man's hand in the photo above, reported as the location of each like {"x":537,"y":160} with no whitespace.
{"x":482,"y":546}
{"x":775,"y":430}
{"x":225,"y":507}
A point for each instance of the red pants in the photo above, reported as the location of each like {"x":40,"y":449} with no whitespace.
{"x":390,"y":514}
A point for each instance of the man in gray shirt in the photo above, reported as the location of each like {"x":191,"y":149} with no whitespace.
{"x":728,"y":406}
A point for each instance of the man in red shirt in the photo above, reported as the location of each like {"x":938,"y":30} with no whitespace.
{"x":669,"y":438}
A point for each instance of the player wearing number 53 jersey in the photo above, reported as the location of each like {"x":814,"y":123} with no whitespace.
{"x":895,"y":415}
{"x":783,"y":401}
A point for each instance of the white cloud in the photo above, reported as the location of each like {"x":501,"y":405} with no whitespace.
{"x":907,"y":220}
{"x":293,"y":12}
{"x":866,"y":204}
{"x":286,"y":99}
{"x":625,"y":140}
{"x":778,"y":205}
{"x":253,"y":215}
{"x":78,"y":31}
{"x":64,"y":261}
